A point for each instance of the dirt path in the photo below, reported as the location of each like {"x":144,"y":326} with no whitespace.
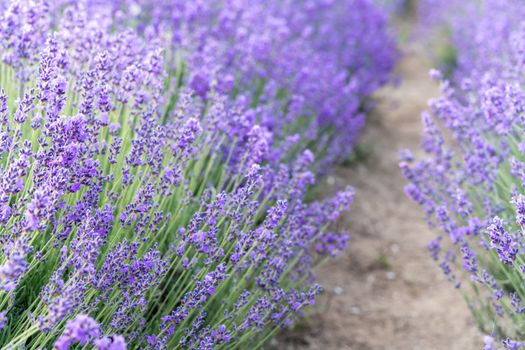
{"x":386,"y":292}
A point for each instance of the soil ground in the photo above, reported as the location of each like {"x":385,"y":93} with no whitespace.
{"x":386,"y":292}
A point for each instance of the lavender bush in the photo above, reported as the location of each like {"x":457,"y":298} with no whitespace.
{"x":268,"y":54}
{"x":155,"y":169}
{"x":471,"y":184}
{"x":468,"y":25}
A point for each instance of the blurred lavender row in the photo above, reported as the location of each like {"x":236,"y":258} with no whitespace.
{"x":471,"y":184}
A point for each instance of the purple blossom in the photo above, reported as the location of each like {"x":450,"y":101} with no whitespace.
{"x":82,"y":330}
{"x":516,"y":303}
{"x":503,"y":242}
{"x":434,"y":247}
{"x":115,"y":342}
{"x":3,"y":320}
{"x":469,"y":259}
{"x":15,"y":265}
{"x":512,"y":344}
{"x":519,"y":203}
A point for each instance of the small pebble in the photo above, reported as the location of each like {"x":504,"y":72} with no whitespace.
{"x":391,"y":275}
{"x":355,"y":310}
{"x":338,"y":290}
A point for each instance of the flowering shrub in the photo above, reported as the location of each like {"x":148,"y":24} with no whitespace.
{"x":469,"y":25}
{"x":471,"y":185}
{"x":155,"y":169}
{"x":269,"y":55}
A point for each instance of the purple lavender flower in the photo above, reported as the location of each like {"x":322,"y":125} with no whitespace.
{"x":502,"y":241}
{"x":82,"y":330}
{"x":3,"y":320}
{"x":115,"y":342}
{"x":512,"y":344}
{"x":434,"y":247}
{"x":15,"y":265}
{"x":519,"y":203}
{"x":469,"y":259}
{"x":488,"y":342}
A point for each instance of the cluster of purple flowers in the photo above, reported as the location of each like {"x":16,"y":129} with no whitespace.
{"x":84,"y":330}
{"x":305,"y":73}
{"x":471,"y":186}
{"x":476,"y":31}
{"x":155,"y":165}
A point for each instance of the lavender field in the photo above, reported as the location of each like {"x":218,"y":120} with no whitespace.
{"x":278,"y":174}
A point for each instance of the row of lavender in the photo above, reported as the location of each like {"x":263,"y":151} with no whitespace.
{"x":304,"y":67}
{"x":471,"y":184}
{"x":156,"y":159}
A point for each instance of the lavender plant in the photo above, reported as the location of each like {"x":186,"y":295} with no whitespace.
{"x":152,"y":193}
{"x":467,"y":25}
{"x":305,"y":72}
{"x":471,"y":184}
